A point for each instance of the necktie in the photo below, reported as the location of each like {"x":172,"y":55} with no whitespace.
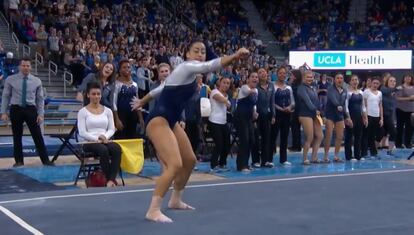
{"x":24,"y":91}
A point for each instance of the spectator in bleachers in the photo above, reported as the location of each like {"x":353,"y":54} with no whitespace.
{"x":106,"y":77}
{"x":2,"y":51}
{"x":144,"y":76}
{"x":24,"y":93}
{"x":204,"y":89}
{"x":309,"y":117}
{"x":335,"y":116}
{"x":176,"y":59}
{"x":162,"y":57}
{"x":77,"y":64}
{"x":126,"y":120}
{"x":284,"y":103}
{"x":14,"y":9}
{"x":163,"y":71}
{"x":96,"y":125}
{"x":244,"y":115}
{"x":10,"y":67}
{"x":42,"y":41}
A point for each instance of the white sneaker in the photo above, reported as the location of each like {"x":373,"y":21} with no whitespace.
{"x":269,"y":165}
{"x":287,"y":163}
{"x":246,"y":170}
{"x":362,"y":159}
{"x":224,"y":168}
{"x":215,"y":170}
{"x":353,"y":160}
{"x":256,"y":165}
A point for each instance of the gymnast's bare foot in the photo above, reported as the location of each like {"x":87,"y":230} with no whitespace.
{"x":157,"y":216}
{"x":176,"y":202}
{"x":154,"y":211}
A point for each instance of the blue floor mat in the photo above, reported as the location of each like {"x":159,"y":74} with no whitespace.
{"x":67,"y":173}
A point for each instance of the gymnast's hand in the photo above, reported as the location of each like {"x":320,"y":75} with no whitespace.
{"x":103,"y":139}
{"x":136,"y":103}
{"x":242,"y":53}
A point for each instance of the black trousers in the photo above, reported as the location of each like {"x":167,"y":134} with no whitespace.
{"x":130,"y":122}
{"x":295,"y":128}
{"x":261,"y":148}
{"x":372,"y":133}
{"x":192,"y":129}
{"x":245,"y":132}
{"x":353,"y":137}
{"x":281,"y":126}
{"x":404,"y":128}
{"x":109,"y":157}
{"x":28,"y":114}
{"x":388,"y":129}
{"x":221,"y":138}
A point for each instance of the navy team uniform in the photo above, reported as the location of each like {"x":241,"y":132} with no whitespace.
{"x":178,"y":88}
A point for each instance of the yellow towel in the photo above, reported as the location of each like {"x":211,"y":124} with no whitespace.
{"x":132,"y":159}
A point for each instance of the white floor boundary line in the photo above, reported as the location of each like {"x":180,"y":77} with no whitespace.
{"x":212,"y":185}
{"x":19,"y":221}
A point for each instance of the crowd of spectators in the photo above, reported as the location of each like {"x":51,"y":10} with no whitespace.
{"x":324,"y":24}
{"x":80,"y":35}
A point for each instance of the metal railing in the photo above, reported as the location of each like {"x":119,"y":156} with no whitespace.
{"x":26,"y":50}
{"x":67,"y":78}
{"x":16,"y":42}
{"x":53,"y":68}
{"x":38,"y":61}
{"x":5,"y":20}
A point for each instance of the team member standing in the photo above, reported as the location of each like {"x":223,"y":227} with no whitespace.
{"x":126,"y":120}
{"x":323,"y":93}
{"x":106,"y":77}
{"x":309,"y":117}
{"x":373,"y":105}
{"x":405,"y":107}
{"x":244,"y":116}
{"x":295,"y":80}
{"x":24,"y":92}
{"x":356,"y":111}
{"x":262,"y":153}
{"x":284,"y":105}
{"x":218,"y":125}
{"x":335,"y":115}
{"x":388,"y":103}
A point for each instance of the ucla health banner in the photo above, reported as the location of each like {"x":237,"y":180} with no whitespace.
{"x":337,"y":60}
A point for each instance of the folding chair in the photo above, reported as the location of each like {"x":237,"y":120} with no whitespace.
{"x":411,"y":155}
{"x":88,"y":163}
{"x":65,"y":138}
{"x":207,"y":142}
{"x":149,"y":150}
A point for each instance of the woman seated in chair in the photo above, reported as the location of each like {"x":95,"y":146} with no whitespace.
{"x":96,"y":125}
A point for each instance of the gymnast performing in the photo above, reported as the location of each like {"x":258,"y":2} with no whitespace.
{"x":168,"y":137}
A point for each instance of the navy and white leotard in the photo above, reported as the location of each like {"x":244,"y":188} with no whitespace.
{"x":178,"y":88}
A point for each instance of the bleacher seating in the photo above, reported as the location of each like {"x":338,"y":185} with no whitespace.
{"x":316,"y":24}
